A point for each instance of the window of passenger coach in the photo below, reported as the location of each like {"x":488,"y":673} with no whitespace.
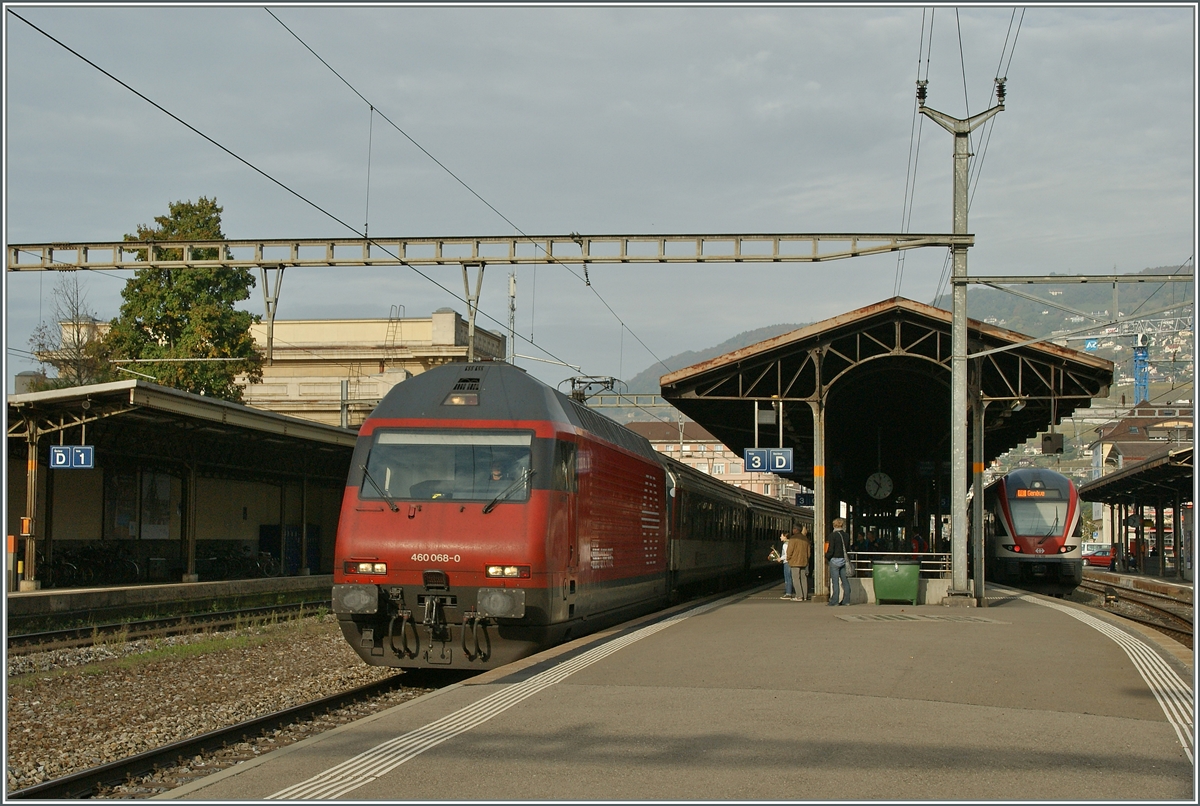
{"x":448,"y":465}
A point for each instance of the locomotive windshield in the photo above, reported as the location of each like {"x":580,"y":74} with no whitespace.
{"x":1037,"y":516}
{"x":463,"y":466}
{"x":1038,"y":508}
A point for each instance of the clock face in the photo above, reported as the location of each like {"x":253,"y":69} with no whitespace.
{"x":879,"y":485}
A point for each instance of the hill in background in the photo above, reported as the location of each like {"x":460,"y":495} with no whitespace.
{"x":1170,"y":347}
{"x":1171,"y":354}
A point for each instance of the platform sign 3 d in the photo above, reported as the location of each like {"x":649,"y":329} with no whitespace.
{"x":76,"y":457}
{"x":768,"y":460}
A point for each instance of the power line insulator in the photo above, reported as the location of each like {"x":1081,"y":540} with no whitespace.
{"x":922,"y":92}
{"x":1000,"y":90}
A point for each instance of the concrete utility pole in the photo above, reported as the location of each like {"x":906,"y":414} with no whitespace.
{"x":961,"y":129}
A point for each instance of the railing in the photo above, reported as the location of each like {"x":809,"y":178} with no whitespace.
{"x":934,"y":565}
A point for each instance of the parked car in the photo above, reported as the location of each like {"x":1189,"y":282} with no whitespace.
{"x":1104,"y":558}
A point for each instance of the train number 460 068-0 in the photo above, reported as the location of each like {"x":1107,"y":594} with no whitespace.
{"x":436,"y":558}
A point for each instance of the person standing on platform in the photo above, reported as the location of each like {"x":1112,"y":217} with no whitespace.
{"x":799,"y":548}
{"x":789,"y":592}
{"x":837,"y":549}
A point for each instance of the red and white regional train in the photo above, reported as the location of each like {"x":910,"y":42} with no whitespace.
{"x":488,"y":516}
{"x":1033,"y":529}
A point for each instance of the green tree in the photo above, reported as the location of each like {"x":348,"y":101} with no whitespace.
{"x":72,"y":342}
{"x":188,"y":313}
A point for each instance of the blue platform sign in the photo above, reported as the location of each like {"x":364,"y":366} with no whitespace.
{"x":1091,"y":344}
{"x":72,"y":457}
{"x":805,"y":499}
{"x":757,"y":460}
{"x":768,"y":460}
{"x":781,"y":460}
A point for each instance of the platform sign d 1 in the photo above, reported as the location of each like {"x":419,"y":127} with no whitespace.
{"x":72,"y":457}
{"x":757,"y":460}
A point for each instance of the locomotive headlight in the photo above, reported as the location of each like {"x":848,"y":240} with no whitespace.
{"x":1011,"y":547}
{"x":1065,"y":549}
{"x":509,"y":571}
{"x":366,"y":568}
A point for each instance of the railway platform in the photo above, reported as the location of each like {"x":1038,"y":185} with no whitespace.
{"x":34,"y":610}
{"x":750,"y":697}
{"x":1152,"y":583}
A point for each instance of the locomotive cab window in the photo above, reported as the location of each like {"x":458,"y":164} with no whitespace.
{"x":1038,"y":511}
{"x":448,"y":465}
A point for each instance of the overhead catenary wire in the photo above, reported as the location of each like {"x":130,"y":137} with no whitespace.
{"x":261,"y":172}
{"x":370,"y":138}
{"x":585,"y":280}
{"x":1150,"y":296}
{"x":1001,"y":74}
{"x":914,"y":154}
{"x":300,"y":196}
{"x":976,"y":163}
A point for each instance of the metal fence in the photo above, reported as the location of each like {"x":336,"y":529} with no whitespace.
{"x":934,"y":565}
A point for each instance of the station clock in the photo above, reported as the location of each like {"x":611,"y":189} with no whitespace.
{"x":879,"y":485}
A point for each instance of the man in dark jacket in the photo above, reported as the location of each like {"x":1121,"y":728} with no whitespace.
{"x":837,"y":550}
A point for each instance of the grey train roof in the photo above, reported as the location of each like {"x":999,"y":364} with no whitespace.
{"x":505,"y":392}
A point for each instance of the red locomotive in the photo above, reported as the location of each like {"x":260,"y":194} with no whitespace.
{"x":1033,"y":529}
{"x":488,"y":516}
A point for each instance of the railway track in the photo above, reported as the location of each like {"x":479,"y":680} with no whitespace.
{"x":154,"y":628}
{"x":174,"y":764}
{"x":1163,"y":613}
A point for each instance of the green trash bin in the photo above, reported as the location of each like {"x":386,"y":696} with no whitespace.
{"x":896,"y":580}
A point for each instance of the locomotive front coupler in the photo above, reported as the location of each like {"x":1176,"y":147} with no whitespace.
{"x":435,"y":619}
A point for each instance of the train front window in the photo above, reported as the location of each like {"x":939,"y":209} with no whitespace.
{"x":448,"y":465}
{"x":1038,"y":517}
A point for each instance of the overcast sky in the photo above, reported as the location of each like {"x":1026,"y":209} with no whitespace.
{"x":605,"y":120}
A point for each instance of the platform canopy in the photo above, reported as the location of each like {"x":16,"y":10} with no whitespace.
{"x":881,"y":374}
{"x":1168,"y":475}
{"x":144,"y":422}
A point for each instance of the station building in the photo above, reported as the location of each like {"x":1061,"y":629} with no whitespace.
{"x":335,"y":371}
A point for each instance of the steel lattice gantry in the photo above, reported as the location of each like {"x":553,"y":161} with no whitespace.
{"x":869,"y":390}
{"x":272,"y":256}
{"x":450,"y":251}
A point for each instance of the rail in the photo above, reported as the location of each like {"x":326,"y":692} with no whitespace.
{"x":84,"y":783}
{"x":130,"y":630}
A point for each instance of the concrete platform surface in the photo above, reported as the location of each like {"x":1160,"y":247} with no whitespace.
{"x":751,"y":697}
